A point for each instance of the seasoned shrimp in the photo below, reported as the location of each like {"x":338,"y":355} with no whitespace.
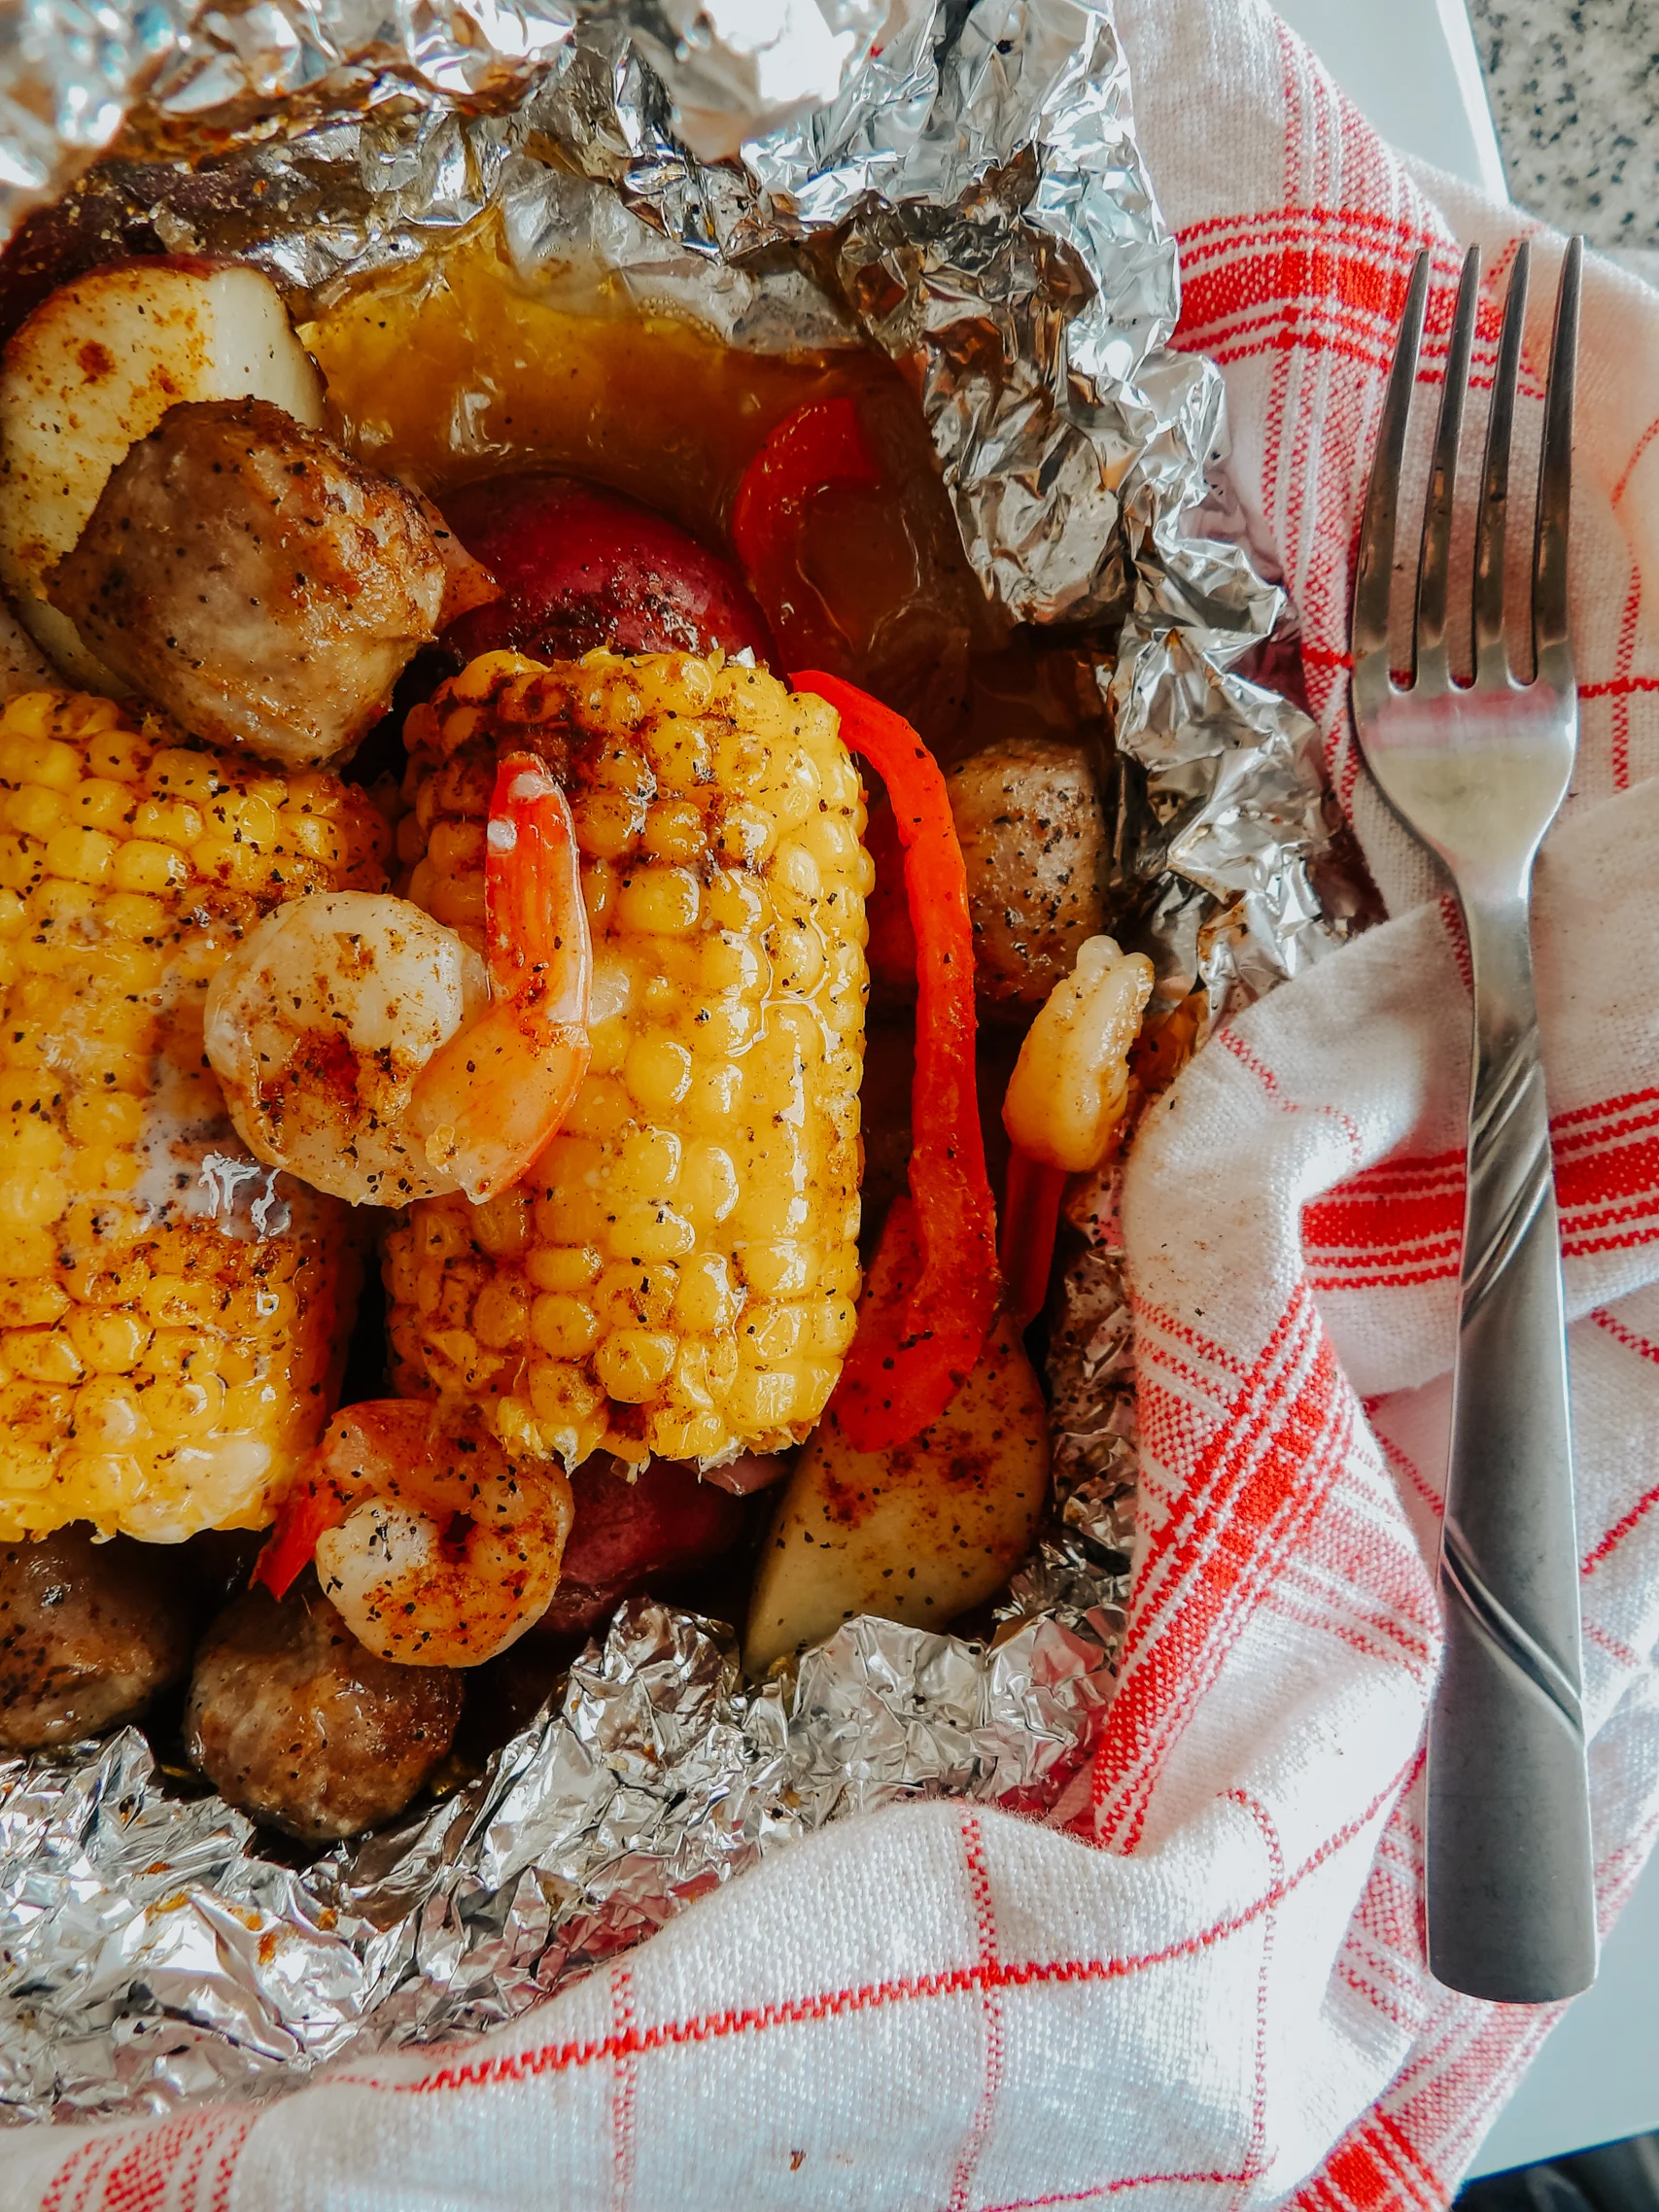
{"x":370,"y":1050}
{"x":433,"y":1548}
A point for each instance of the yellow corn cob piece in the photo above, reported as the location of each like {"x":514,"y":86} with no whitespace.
{"x":168,"y":1317}
{"x":677,"y":1274}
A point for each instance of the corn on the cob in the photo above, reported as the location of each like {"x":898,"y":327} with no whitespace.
{"x":165,"y":1334}
{"x":677,"y":1274}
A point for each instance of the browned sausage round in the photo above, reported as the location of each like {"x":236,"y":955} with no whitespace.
{"x":292,"y":1720}
{"x":88,"y":1632}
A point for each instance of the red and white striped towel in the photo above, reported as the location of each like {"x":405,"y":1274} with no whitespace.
{"x":1223,"y":2003}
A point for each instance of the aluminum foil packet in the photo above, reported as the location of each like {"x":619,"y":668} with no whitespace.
{"x":960,"y":186}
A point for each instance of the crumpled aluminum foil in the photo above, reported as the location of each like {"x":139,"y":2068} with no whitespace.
{"x":150,"y":1956}
{"x":970,"y":198}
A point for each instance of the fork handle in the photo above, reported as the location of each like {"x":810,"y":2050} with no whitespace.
{"x":1508,"y":1872}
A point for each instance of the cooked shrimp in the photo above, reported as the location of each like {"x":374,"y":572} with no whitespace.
{"x":365,"y":1048}
{"x":433,"y":1548}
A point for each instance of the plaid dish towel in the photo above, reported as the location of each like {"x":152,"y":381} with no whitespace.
{"x":1221,"y":2002}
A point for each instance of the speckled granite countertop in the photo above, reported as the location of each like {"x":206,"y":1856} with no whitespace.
{"x":1575,"y":90}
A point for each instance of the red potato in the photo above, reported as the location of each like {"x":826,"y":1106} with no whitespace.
{"x":581,"y":566}
{"x":625,"y":1532}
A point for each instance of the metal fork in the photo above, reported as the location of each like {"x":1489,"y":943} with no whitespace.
{"x":1477,"y":773}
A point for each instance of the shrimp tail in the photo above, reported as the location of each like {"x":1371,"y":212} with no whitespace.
{"x":491,"y":1100}
{"x":307,"y":1511}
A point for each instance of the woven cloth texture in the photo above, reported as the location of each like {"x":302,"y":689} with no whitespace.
{"x":1217,"y":1997}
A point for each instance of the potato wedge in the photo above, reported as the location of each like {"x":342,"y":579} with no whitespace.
{"x":919,"y":1533}
{"x":93,"y":370}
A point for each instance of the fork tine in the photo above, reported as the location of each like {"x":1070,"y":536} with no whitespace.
{"x":1491,"y":664}
{"x":1555,"y":463}
{"x":1431,"y":583}
{"x":1374,"y":569}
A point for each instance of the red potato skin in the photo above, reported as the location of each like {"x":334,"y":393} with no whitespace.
{"x":626,"y":1532}
{"x":581,"y":566}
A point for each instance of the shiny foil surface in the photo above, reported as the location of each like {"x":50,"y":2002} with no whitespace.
{"x":960,"y":186}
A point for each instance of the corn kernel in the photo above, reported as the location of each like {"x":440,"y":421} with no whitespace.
{"x":706,"y":1299}
{"x":41,"y":1355}
{"x":29,"y":1141}
{"x":659,"y":901}
{"x":31,"y":1251}
{"x":637,"y":1294}
{"x":457,"y":900}
{"x":658,"y":1074}
{"x":768,"y":1333}
{"x":80,"y":856}
{"x":673,"y":831}
{"x":569,"y":1267}
{"x":499,"y":1312}
{"x":98,"y":804}
{"x":563,"y":1326}
{"x":314,"y":835}
{"x":762,"y":1399}
{"x":739,"y":901}
{"x":34,"y":811}
{"x":561,"y":1392}
{"x":686,"y":1435}
{"x":85,"y":714}
{"x":649,"y":1161}
{"x":642,"y":1230}
{"x":782,"y":1268}
{"x":633,"y":1364}
{"x":33,"y":757}
{"x":609,"y":823}
{"x":179,"y":772}
{"x":148,"y":866}
{"x":111,"y":1411}
{"x":130,"y":913}
{"x":119,"y":755}
{"x":31,"y":1199}
{"x":745,"y":833}
{"x":502,"y":1224}
{"x":109,"y":1343}
{"x":457,"y":847}
{"x":831,"y":1324}
{"x":31,"y":1304}
{"x":732,"y":965}
{"x":799,"y":961}
{"x":832,"y":841}
{"x":708,"y":1186}
{"x":250,"y":817}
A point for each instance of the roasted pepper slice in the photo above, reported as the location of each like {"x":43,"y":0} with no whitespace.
{"x":912,"y":1350}
{"x":818,"y":448}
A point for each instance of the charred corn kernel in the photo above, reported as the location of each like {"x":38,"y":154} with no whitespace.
{"x":167,"y":1366}
{"x":678,"y":1274}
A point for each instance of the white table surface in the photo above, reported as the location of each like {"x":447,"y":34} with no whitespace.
{"x":1412,"y":70}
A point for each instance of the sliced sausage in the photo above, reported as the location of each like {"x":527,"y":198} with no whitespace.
{"x":89,"y":1633}
{"x":292,"y":1720}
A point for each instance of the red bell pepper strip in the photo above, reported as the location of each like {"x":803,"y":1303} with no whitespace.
{"x":914,"y":1347}
{"x":816,"y":449}
{"x":1030,"y":1223}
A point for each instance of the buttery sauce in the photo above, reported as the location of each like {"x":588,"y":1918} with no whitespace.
{"x":459,"y":368}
